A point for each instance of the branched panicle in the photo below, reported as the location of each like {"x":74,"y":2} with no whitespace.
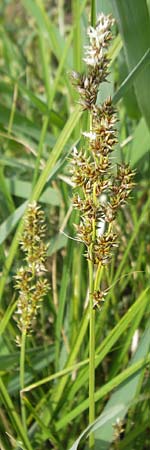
{"x":29,"y":279}
{"x":101,"y":193}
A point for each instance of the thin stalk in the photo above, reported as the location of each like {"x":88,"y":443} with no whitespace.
{"x":76,"y":49}
{"x":91,"y":354}
{"x":93,"y":13}
{"x":77,"y":35}
{"x":93,"y":286}
{"x":11,"y":118}
{"x":92,"y":328}
{"x":98,"y":277}
{"x":61,"y":17}
{"x":22,"y":371}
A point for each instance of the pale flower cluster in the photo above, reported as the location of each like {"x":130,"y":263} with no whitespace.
{"x":99,"y":39}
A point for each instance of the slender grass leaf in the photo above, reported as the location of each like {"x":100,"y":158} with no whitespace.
{"x":4,"y":189}
{"x":56,"y":152}
{"x":58,"y":242}
{"x":103,"y":349}
{"x":23,"y":189}
{"x":11,"y":222}
{"x":14,"y":417}
{"x":18,"y":163}
{"x":5,"y":319}
{"x":100,"y":422}
{"x":134,"y":24}
{"x":62,"y":299}
{"x":140,"y":145}
{"x":109,"y":341}
{"x":103,"y":391}
{"x":46,"y":25}
{"x":126,"y":392}
{"x":23,"y":126}
{"x":127,"y":83}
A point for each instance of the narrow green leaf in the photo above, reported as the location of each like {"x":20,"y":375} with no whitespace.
{"x":111,"y":339}
{"x":14,"y":417}
{"x":23,"y":126}
{"x":127,"y":83}
{"x":140,"y":145}
{"x":100,"y":422}
{"x":6,"y":192}
{"x":57,"y":242}
{"x":62,"y":299}
{"x":5,"y":319}
{"x":62,"y":139}
{"x":103,"y":349}
{"x":126,"y":392}
{"x":103,"y":391}
{"x":134,"y":24}
{"x":36,"y":7}
{"x":22,"y":189}
{"x":11,"y":222}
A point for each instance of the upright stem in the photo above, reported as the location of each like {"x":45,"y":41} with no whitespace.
{"x":93,"y":13}
{"x":92,"y":327}
{"x":91,"y":354}
{"x":22,"y":371}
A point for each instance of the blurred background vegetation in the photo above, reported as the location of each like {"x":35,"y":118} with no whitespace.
{"x":40,"y":121}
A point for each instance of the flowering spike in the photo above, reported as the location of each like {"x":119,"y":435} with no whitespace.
{"x":101,"y":193}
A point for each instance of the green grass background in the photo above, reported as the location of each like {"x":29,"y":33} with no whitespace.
{"x":40,"y":121}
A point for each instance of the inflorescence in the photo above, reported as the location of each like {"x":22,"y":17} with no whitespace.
{"x":102,"y":191}
{"x":30,"y":280}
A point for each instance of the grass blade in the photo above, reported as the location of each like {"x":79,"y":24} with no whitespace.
{"x":14,"y":416}
{"x":134,"y":24}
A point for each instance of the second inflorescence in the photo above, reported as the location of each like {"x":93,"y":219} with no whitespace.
{"x":30,"y":278}
{"x":102,"y":188}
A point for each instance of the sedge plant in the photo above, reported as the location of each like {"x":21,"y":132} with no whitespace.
{"x":102,"y":187}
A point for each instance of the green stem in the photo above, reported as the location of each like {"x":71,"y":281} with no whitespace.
{"x":91,"y":354}
{"x":98,"y":277}
{"x":22,"y":371}
{"x":92,"y":326}
{"x":93,"y":13}
{"x":11,"y":118}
